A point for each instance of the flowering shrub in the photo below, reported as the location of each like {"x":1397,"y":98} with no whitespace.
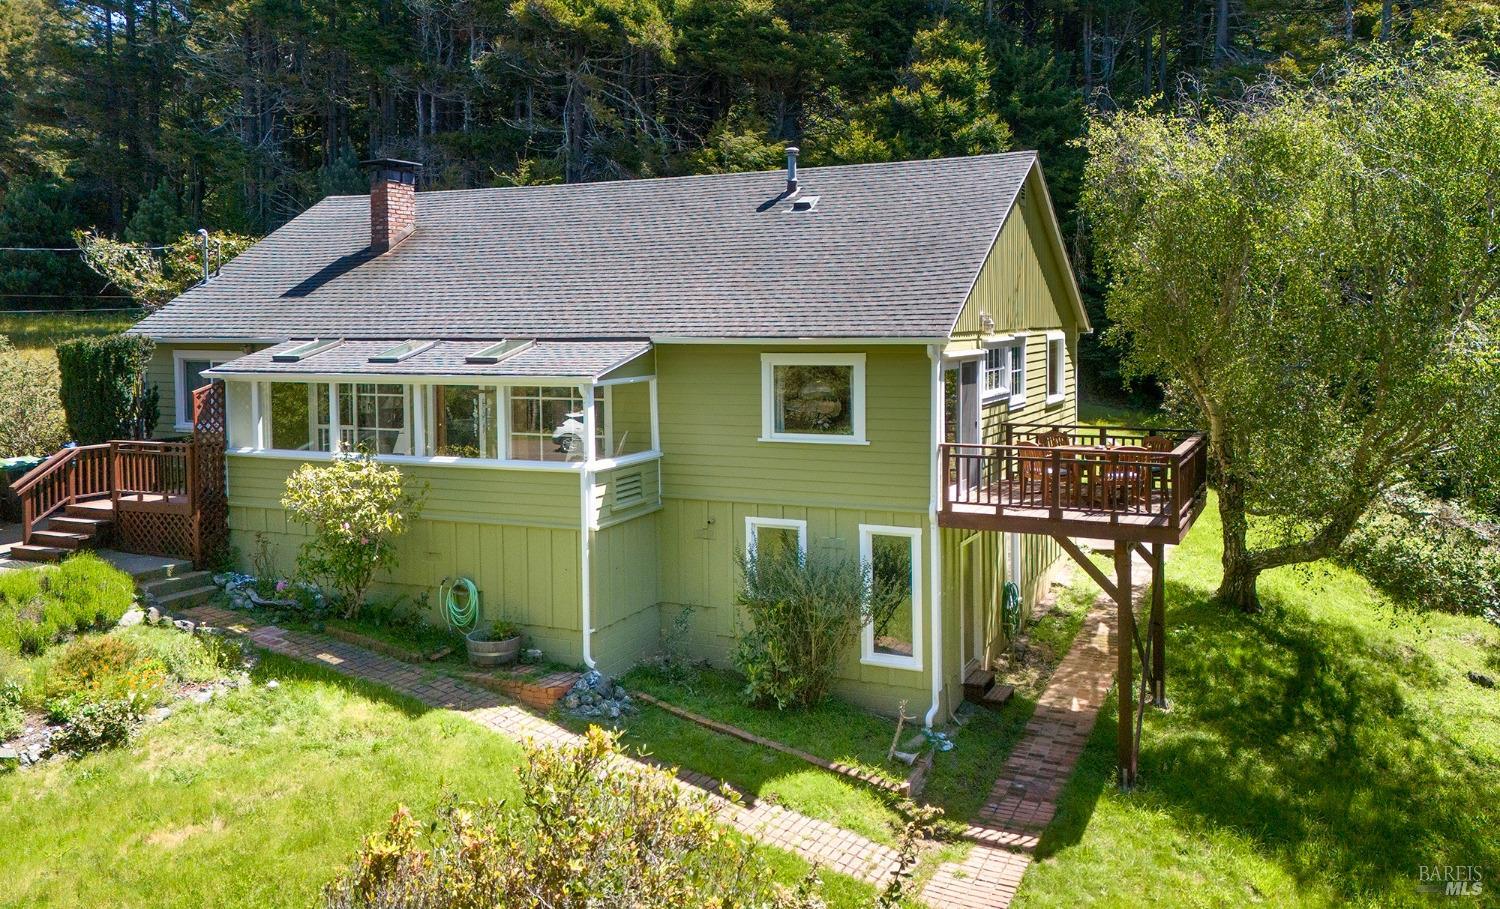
{"x":102,"y":724}
{"x":356,"y":509}
{"x":585,"y":832}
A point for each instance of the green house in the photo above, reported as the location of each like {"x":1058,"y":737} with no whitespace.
{"x":615,"y":389}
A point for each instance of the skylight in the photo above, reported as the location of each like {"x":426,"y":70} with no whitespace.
{"x":496,"y":352}
{"x":401,"y":351}
{"x":306,"y":349}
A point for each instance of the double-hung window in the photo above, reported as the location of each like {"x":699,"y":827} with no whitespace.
{"x":1005,"y":371}
{"x":813,"y":398}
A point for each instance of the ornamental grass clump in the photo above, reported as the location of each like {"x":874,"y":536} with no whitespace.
{"x":356,"y":510}
{"x":586,"y":831}
{"x":805,"y":616}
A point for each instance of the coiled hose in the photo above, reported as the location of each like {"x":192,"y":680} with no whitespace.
{"x":462,"y":616}
{"x":1010,"y":609}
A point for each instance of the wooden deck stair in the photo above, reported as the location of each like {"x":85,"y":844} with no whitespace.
{"x":83,"y":525}
{"x":980,"y":688}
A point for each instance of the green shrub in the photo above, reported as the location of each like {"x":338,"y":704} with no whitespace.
{"x":185,"y":657}
{"x":12,"y":718}
{"x":805,"y":615}
{"x":39,"y":605}
{"x":99,"y":725}
{"x":103,"y":388}
{"x":356,"y":509}
{"x":584,"y":833}
{"x":1428,"y":554}
{"x":34,"y":424}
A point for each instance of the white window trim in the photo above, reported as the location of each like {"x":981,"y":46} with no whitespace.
{"x":1061,"y":340}
{"x":867,"y":654}
{"x":754,"y":523}
{"x":768,"y":364}
{"x":1018,"y":389}
{"x":184,"y":408}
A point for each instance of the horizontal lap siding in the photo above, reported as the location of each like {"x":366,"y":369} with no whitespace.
{"x":604,"y":493}
{"x":715,"y":472}
{"x":711,"y":422}
{"x":159,"y":372}
{"x":474,"y":525}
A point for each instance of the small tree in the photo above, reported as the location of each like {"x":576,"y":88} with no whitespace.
{"x":805,"y":615}
{"x":586,"y":831}
{"x":33,"y":422}
{"x":1314,"y":273}
{"x":356,"y":509}
{"x":153,"y":277}
{"x":104,"y":388}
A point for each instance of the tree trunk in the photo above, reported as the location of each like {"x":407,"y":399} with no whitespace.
{"x":1221,"y":34}
{"x":1240,"y":572}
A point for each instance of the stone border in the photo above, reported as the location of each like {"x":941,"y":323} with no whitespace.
{"x":540,"y":693}
{"x":905,"y":788}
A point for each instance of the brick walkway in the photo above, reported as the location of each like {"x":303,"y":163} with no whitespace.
{"x":1024,"y":798}
{"x":817,"y":841}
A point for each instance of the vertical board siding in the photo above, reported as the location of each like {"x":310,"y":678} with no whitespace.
{"x":513,"y":533}
{"x":710,"y":403}
{"x":626,"y":593}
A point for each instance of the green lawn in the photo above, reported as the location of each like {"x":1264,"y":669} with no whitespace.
{"x":255,"y":799}
{"x":38,"y":331}
{"x":1316,"y":754}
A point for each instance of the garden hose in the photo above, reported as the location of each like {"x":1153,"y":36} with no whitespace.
{"x":462,"y":616}
{"x":1010,"y":609}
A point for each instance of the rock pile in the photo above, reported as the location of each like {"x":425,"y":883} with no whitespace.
{"x":595,"y":695}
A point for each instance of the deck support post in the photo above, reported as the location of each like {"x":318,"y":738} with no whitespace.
{"x":1158,"y":626}
{"x":1124,"y":676}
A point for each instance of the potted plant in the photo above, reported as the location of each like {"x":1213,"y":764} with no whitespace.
{"x":493,"y":644}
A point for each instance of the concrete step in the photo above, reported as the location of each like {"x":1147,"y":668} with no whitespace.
{"x":60,"y":539}
{"x":168,"y":568}
{"x":176,"y":583}
{"x":997,"y":696}
{"x":94,"y":527}
{"x":186,"y":599}
{"x":33,"y":553}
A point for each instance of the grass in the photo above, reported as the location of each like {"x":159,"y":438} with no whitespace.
{"x":1318,"y":753}
{"x":38,"y":334}
{"x":255,"y":799}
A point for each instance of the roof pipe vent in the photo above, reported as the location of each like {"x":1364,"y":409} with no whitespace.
{"x":791,"y":169}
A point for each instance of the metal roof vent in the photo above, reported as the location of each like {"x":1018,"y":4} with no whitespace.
{"x":806,"y":203}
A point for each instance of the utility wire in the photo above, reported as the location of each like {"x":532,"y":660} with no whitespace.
{"x":70,"y":249}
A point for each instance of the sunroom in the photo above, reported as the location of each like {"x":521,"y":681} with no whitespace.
{"x":562,"y":405}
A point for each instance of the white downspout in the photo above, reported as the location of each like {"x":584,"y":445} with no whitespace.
{"x":586,"y":509}
{"x":934,"y":549}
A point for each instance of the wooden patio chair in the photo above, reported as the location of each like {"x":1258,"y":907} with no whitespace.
{"x":1053,"y":438}
{"x":1131,"y":483}
{"x":1157,"y":443}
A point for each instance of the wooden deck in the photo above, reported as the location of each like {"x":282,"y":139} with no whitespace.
{"x":1113,"y":483}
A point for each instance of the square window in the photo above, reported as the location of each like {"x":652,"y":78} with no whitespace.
{"x":775,"y":538}
{"x":188,"y":369}
{"x":813,"y":398}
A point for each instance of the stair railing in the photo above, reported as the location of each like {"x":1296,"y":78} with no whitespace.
{"x":72,"y":475}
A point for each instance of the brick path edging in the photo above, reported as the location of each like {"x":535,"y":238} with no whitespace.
{"x":818,"y":841}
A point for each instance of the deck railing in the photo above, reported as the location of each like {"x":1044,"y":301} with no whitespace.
{"x":153,"y":475}
{"x":146,"y":476}
{"x":1138,"y":476}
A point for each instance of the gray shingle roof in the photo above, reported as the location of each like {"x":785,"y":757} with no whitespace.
{"x":581,"y":359}
{"x":890,"y":251}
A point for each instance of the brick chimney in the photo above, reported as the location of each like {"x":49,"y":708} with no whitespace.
{"x":393,"y":201}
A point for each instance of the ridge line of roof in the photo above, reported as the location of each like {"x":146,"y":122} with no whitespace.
{"x":813,"y":169}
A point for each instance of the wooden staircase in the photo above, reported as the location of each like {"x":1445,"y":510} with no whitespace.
{"x":81,"y":525}
{"x":980,"y":688}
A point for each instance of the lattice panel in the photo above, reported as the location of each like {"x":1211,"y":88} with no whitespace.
{"x":210,"y":522}
{"x":155,"y":533}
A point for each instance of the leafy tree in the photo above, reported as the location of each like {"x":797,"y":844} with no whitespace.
{"x":1313,"y":271}
{"x":941,"y":108}
{"x":152,"y":278}
{"x":356,"y":509}
{"x":156,"y":220}
{"x":34,"y":423}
